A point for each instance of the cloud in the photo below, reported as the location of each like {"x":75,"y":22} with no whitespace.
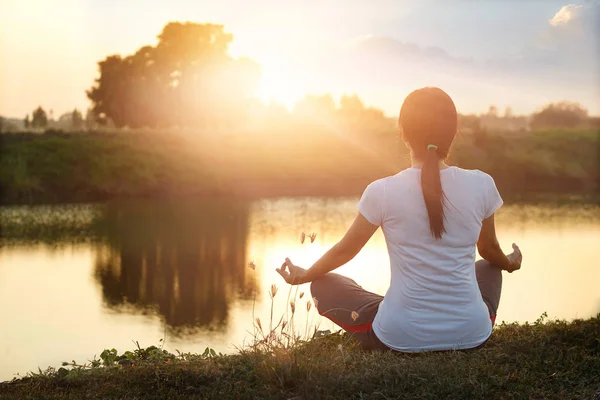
{"x":560,"y":63}
{"x":566,"y":15}
{"x":564,"y":67}
{"x":576,"y":21}
{"x":571,"y":39}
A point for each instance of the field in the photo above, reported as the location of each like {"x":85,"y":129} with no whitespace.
{"x":56,"y":167}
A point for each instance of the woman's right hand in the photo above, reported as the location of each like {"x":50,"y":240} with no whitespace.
{"x":294,"y":275}
{"x":515,"y":258}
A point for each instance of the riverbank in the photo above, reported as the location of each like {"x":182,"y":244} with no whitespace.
{"x":101,"y":222}
{"x":91,"y":167}
{"x":543,"y":360}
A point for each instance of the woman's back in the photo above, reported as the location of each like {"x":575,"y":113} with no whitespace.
{"x":433,"y":302}
{"x":433,"y":217}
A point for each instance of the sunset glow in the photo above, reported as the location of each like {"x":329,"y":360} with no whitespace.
{"x":289,"y":199}
{"x":55,"y":57}
{"x":277,"y":86}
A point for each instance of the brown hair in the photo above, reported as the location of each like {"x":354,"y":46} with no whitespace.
{"x":428,"y":121}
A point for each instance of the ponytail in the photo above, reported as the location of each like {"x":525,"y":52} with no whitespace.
{"x":433,"y":193}
{"x":427,"y":116}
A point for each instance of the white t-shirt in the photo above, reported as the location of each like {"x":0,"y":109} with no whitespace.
{"x":433,"y":302}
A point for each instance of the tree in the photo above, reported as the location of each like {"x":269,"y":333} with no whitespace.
{"x":188,"y":78}
{"x":508,"y":113}
{"x":351,"y":111}
{"x":492,"y":111}
{"x":7,"y":126}
{"x":76,"y":120}
{"x":559,"y":115}
{"x":315,"y":105}
{"x":351,"y":104}
{"x":90,"y":120}
{"x":361,"y":120}
{"x":594,"y":122}
{"x":469,"y":123}
{"x":39,"y":118}
{"x":26,"y":122}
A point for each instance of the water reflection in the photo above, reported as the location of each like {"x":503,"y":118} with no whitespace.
{"x":109,"y":274}
{"x":186,"y":260}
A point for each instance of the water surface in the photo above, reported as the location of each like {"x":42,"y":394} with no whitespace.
{"x":77,"y":279}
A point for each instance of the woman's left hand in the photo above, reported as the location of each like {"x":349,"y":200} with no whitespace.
{"x":294,"y":275}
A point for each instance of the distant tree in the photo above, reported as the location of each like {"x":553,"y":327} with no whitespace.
{"x":65,"y":119}
{"x":508,"y":113}
{"x":351,"y":104}
{"x":492,"y":111}
{"x":315,"y":105}
{"x":351,"y":111}
{"x":469,"y":123}
{"x":559,"y":115}
{"x":90,"y":120}
{"x":39,"y":118}
{"x":26,"y":122}
{"x":360,"y":120}
{"x":188,"y":78}
{"x":76,"y":120}
{"x":7,"y":126}
{"x":594,"y":122}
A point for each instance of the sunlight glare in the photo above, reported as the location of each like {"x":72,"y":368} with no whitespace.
{"x":276,"y":85}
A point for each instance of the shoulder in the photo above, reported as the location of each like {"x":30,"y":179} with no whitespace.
{"x":379,"y":188}
{"x":375,"y":189}
{"x":475,"y":175}
{"x":485,"y":184}
{"x":488,"y":180}
{"x":380,"y":184}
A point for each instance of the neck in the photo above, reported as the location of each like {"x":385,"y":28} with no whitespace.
{"x":416,"y":163}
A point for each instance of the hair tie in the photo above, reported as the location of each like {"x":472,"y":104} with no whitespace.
{"x":431,"y":146}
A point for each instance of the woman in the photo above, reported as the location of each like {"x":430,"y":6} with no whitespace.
{"x":433,"y":217}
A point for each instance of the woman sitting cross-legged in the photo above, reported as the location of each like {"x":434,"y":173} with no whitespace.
{"x":433,"y":217}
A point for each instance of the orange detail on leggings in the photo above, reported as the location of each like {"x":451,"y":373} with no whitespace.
{"x":493,"y":318}
{"x":350,"y":328}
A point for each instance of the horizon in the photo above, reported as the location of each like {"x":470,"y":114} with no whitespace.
{"x":549,"y":54}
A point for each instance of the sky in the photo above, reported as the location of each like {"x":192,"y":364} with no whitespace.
{"x":521,"y":54}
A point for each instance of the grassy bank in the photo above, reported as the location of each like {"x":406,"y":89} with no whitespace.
{"x":146,"y":220}
{"x":551,"y":360}
{"x":55,"y":167}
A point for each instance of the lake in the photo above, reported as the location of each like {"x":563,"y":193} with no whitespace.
{"x":77,"y":279}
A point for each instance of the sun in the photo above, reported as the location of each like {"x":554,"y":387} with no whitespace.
{"x":279,"y":85}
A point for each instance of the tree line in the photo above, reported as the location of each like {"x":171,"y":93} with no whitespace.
{"x":350,"y":114}
{"x":39,"y":120}
{"x":189,"y":80}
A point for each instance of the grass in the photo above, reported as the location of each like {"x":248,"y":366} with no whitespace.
{"x":543,"y":360}
{"x":55,"y":168}
{"x":297,"y":160}
{"x":56,"y":224}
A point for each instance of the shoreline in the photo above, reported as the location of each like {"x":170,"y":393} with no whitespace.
{"x":543,"y":359}
{"x":533,"y":198}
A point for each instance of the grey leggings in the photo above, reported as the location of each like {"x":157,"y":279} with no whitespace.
{"x":348,"y":305}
